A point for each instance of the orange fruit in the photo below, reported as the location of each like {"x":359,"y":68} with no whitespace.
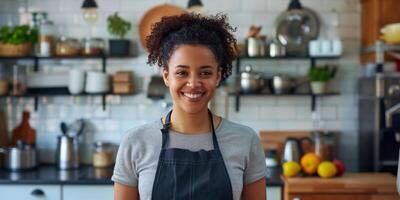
{"x":309,"y":163}
{"x":327,"y":169}
{"x":291,"y":168}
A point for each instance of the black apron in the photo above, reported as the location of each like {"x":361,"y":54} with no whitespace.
{"x":188,"y":175}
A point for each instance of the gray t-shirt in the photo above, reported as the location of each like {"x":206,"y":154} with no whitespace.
{"x":139,"y":150}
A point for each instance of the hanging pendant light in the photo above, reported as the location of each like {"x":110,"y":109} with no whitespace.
{"x":89,"y":11}
{"x":195,"y":6}
{"x":295,"y":5}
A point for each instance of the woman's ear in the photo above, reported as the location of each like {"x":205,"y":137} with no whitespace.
{"x":219,"y":77}
{"x":165,"y":77}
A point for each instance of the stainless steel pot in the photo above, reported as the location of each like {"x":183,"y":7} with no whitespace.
{"x":282,"y":84}
{"x":249,"y":80}
{"x":21,"y":157}
{"x":276,"y":49}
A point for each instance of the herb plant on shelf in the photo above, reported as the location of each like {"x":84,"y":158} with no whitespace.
{"x":118,"y":27}
{"x":17,"y":40}
{"x":319,"y":77}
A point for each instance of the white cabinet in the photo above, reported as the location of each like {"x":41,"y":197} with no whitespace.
{"x":88,"y":192}
{"x":30,"y":192}
{"x":274,"y":193}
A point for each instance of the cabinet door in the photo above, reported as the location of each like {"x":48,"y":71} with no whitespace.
{"x":30,"y":192}
{"x":274,"y":193}
{"x":88,"y":192}
{"x":342,"y":197}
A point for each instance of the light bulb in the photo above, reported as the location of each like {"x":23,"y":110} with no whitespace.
{"x":90,"y":15}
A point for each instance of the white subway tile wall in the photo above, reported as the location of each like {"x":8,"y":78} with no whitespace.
{"x":341,"y":17}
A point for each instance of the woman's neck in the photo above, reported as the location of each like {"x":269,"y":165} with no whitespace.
{"x":190,"y":123}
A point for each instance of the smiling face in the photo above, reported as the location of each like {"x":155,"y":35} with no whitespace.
{"x":192,"y":77}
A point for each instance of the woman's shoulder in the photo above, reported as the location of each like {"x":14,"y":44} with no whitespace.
{"x":143,"y":132}
{"x":231,"y":127}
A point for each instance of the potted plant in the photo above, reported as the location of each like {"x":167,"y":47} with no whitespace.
{"x":17,"y":40}
{"x":119,"y":28}
{"x":319,"y":77}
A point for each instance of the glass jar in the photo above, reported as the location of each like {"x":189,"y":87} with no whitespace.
{"x":19,"y":80}
{"x":4,"y":82}
{"x":46,"y":40}
{"x":68,"y":47}
{"x":324,"y":144}
{"x":93,"y":46}
{"x":103,"y":154}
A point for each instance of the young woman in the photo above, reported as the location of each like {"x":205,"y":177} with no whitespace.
{"x":191,"y":153}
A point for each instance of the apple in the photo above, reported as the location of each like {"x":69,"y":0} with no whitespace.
{"x":341,"y":168}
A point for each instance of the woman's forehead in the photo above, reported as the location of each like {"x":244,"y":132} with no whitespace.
{"x":193,"y":55}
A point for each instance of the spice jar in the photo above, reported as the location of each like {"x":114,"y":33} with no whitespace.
{"x":324,"y":144}
{"x":93,"y":46}
{"x":46,"y":41}
{"x":103,"y":154}
{"x":68,"y":47}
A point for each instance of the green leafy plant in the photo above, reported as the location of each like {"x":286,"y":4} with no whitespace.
{"x":18,"y":34}
{"x":118,"y":26}
{"x":321,"y":74}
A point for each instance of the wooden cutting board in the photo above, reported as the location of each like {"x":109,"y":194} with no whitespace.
{"x":361,"y":183}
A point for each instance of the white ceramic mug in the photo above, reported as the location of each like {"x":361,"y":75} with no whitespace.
{"x":76,"y":81}
{"x":97,"y":82}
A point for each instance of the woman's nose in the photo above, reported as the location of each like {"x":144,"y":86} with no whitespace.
{"x":193,"y":81}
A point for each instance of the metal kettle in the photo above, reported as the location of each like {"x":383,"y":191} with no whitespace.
{"x":67,"y":153}
{"x":293,"y":148}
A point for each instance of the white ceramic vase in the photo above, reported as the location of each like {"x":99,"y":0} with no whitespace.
{"x":319,"y":87}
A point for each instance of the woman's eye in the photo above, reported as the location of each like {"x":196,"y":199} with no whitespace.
{"x":206,"y":73}
{"x":181,"y":73}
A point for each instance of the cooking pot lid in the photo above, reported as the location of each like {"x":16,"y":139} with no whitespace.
{"x":295,"y":29}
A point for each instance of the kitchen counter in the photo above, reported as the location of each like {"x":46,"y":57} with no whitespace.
{"x":351,"y":186}
{"x":274,"y":176}
{"x":50,"y":174}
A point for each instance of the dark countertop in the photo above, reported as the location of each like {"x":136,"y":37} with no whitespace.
{"x":50,"y":174}
{"x":274,"y":176}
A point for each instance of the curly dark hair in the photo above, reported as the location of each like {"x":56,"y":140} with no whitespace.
{"x":212,"y":31}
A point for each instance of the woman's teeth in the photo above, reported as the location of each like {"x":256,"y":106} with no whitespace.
{"x":193,"y":95}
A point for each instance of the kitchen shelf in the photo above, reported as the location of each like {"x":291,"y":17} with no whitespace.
{"x":36,"y":60}
{"x":313,"y":97}
{"x":312,"y":60}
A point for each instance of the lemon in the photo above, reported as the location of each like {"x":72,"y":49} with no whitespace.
{"x":327,"y":169}
{"x":291,"y":168}
{"x":309,"y":163}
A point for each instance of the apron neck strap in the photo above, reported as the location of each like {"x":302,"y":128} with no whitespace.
{"x":167,"y":125}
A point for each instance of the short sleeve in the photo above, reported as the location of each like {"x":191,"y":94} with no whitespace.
{"x":124,"y":170}
{"x":256,"y":167}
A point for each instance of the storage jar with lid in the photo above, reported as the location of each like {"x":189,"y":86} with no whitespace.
{"x":93,"y":46}
{"x":68,"y":47}
{"x":103,"y":154}
{"x":46,"y":40}
{"x":324,"y":144}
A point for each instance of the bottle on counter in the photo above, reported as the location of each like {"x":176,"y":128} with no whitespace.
{"x":24,"y":131}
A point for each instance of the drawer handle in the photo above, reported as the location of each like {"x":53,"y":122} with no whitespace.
{"x":296,"y":198}
{"x":37,"y":192}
